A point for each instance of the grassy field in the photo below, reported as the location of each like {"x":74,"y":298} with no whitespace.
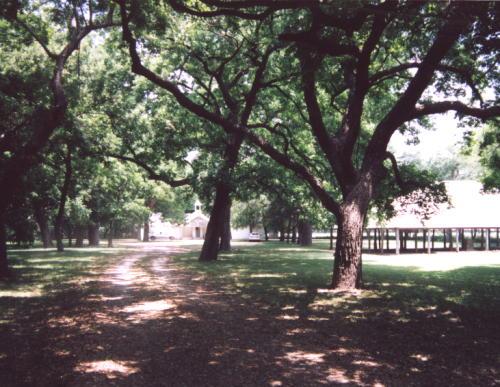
{"x":278,"y":271}
{"x":39,"y":273}
{"x":261,"y":315}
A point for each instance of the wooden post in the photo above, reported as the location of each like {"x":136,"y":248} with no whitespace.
{"x":487,"y":247}
{"x":424,"y":239}
{"x":416,"y":240}
{"x":429,"y":246}
{"x":450,"y":233}
{"x":444,"y":238}
{"x":381,"y":241}
{"x":482,"y":238}
{"x":396,"y":230}
{"x":387,"y":238}
{"x":457,"y":240}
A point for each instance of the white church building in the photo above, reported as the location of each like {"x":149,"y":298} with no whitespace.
{"x":194,"y":226}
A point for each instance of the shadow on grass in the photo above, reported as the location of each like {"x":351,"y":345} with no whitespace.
{"x":259,"y":316}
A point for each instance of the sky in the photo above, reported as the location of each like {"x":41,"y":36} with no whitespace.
{"x":433,"y":143}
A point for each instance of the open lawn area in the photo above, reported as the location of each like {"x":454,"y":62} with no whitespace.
{"x":151,"y":314}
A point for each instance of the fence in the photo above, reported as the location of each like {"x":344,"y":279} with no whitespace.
{"x":396,"y":240}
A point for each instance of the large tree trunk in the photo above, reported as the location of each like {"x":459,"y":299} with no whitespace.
{"x":210,"y":248}
{"x":58,"y":225}
{"x":305,"y":233}
{"x":110,"y":234}
{"x":43,"y":224}
{"x":93,"y":231}
{"x":331,"y":237}
{"x":80,"y":235}
{"x":347,"y":272}
{"x":4,"y":266}
{"x":145,"y":236}
{"x":69,"y":230}
{"x":222,"y":200}
{"x":225,"y":237}
{"x":282,"y":234}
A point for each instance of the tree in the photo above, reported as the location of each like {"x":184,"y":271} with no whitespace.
{"x":217,"y":79}
{"x":29,"y":128}
{"x":489,"y":153}
{"x":364,"y":72}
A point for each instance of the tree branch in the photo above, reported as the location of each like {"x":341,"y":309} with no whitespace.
{"x":465,"y":74}
{"x":397,"y":175}
{"x":459,"y":107}
{"x":224,"y":11}
{"x":297,"y":168}
{"x":139,"y":69}
{"x":150,"y":171}
{"x":49,"y":53}
{"x":446,"y":37}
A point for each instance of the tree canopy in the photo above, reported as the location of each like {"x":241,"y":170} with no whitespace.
{"x":270,"y":96}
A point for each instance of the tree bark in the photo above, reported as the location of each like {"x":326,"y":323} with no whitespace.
{"x":282,"y":234}
{"x":225,"y":236}
{"x":211,"y":245}
{"x":58,"y":225}
{"x":70,"y":235}
{"x":266,"y":234}
{"x":347,"y":272}
{"x":4,"y":265}
{"x":222,"y":202}
{"x":145,"y":236}
{"x":305,"y":233}
{"x":80,"y":234}
{"x":110,"y":234}
{"x":93,"y":233}
{"x":43,"y":224}
{"x":331,"y":237}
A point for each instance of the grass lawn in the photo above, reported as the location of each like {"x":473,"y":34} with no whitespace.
{"x":41,"y":273}
{"x":261,"y":315}
{"x":423,"y":320}
{"x":278,"y":271}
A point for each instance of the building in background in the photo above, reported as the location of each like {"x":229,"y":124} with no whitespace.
{"x":194,"y":226}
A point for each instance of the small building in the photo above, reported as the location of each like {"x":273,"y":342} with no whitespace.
{"x":470,"y":221}
{"x":194,"y":226}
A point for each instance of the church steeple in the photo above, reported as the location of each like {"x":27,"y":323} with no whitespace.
{"x":197,"y":206}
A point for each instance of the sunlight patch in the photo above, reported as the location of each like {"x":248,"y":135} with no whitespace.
{"x":305,"y":357}
{"x":151,"y":306}
{"x":443,"y":261}
{"x":287,"y":317}
{"x":110,"y":368}
{"x":269,"y":275}
{"x":421,"y":357}
{"x":293,"y":291}
{"x":21,"y":293}
{"x":336,"y":375}
{"x":366,"y":363}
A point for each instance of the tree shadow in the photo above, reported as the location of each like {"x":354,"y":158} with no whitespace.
{"x":253,"y":320}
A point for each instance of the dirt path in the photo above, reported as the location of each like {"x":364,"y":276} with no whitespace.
{"x":146,"y":322}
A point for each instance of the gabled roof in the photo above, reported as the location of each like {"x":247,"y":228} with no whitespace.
{"x":469,"y":207}
{"x":194,"y":216}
